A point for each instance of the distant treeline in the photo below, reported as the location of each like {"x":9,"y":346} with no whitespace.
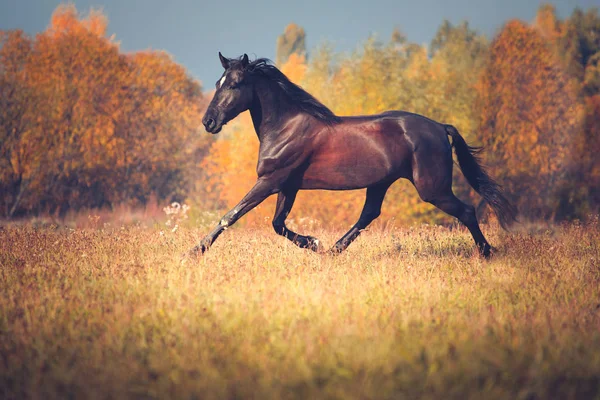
{"x":83,"y":125}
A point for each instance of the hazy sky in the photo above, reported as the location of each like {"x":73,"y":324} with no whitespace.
{"x":193,"y":31}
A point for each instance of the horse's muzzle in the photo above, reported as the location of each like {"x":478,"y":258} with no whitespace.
{"x":209,"y":124}
{"x":212,"y":126}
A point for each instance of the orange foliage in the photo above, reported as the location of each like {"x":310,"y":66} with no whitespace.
{"x":92,"y":127}
{"x":530,"y":117}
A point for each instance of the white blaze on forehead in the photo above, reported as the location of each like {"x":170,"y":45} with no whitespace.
{"x":222,"y":81}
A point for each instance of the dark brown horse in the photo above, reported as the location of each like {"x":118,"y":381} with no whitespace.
{"x":303,"y":145}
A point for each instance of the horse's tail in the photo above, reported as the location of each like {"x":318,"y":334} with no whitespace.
{"x":470,"y":165}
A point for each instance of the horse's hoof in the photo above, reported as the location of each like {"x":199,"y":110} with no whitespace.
{"x":487,"y":251}
{"x":314,"y":244}
{"x":195,"y":252}
{"x":187,"y":257}
{"x":334,"y":251}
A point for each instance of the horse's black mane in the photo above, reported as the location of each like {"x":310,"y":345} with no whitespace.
{"x":304,"y":100}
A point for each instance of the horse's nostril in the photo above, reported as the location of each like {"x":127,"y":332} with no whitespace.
{"x":210,"y":123}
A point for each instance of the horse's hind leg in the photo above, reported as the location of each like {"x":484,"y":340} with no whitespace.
{"x":432,"y":176}
{"x":370,"y":212}
{"x":285,"y":201}
{"x":465,"y":213}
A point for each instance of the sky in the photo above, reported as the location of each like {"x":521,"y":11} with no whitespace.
{"x":194,"y":31}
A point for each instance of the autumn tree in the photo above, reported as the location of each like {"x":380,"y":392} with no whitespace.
{"x":588,"y":177}
{"x":17,"y":102}
{"x":578,"y":47}
{"x":79,"y":73}
{"x":90,"y":126}
{"x":160,"y":125}
{"x":530,"y":118}
{"x":579,"y":43}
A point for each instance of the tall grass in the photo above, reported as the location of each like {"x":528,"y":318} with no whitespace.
{"x":111,"y":312}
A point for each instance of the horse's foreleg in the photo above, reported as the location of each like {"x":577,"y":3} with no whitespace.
{"x":370,"y":212}
{"x":261,"y":190}
{"x":285,"y":201}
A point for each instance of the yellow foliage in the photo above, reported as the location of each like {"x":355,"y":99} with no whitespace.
{"x":295,"y":68}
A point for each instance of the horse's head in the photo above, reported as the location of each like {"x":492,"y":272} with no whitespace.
{"x":233,"y":94}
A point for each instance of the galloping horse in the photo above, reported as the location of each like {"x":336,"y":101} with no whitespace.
{"x":303,"y":145}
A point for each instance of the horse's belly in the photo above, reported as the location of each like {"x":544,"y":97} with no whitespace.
{"x":357,"y":156}
{"x":342,"y":171}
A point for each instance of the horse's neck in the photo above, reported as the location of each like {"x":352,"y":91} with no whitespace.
{"x":269,"y":110}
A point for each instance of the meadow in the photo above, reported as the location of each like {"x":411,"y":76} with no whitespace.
{"x":109,"y":311}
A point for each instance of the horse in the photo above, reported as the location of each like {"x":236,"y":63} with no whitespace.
{"x":305,"y":146}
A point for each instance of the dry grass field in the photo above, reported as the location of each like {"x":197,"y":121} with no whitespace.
{"x":111,"y":312}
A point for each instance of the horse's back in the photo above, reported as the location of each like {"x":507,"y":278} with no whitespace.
{"x":415,"y":131}
{"x":419,"y":129}
{"x":364,"y":150}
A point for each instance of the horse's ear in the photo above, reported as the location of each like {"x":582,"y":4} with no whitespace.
{"x":224,"y":61}
{"x":245,"y":60}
